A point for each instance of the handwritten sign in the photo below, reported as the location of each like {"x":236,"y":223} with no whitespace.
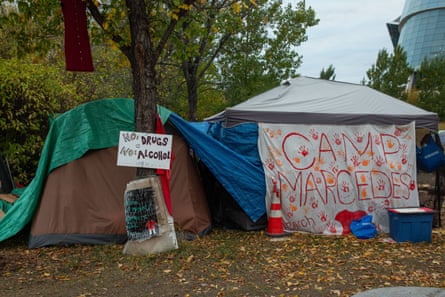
{"x":144,"y":150}
{"x":325,"y":176}
{"x":140,"y":214}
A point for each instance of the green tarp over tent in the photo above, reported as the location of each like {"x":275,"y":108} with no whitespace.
{"x":65,"y":144}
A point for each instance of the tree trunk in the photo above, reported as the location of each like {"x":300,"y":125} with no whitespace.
{"x":143,"y":62}
{"x":190,"y":73}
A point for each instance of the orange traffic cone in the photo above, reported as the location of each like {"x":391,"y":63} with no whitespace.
{"x":275,"y":223}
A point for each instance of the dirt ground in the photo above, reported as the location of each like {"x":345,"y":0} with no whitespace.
{"x":224,"y":263}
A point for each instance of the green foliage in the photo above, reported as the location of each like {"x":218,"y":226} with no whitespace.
{"x":390,"y":73}
{"x":197,"y":41}
{"x":263,"y":53}
{"x":33,"y":31}
{"x":7,"y":45}
{"x":35,"y":27}
{"x":241,"y":48}
{"x":173,"y":94}
{"x":110,"y":79}
{"x":430,"y":83}
{"x":29,"y":95}
{"x":257,"y":40}
{"x":328,"y":74}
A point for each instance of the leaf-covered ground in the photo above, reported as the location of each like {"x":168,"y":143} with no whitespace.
{"x":224,"y":263}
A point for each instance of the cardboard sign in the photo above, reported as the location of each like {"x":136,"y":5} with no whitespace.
{"x":144,"y":150}
{"x":150,"y":227}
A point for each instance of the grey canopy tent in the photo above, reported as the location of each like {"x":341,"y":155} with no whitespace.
{"x":311,"y":102}
{"x":304,"y":100}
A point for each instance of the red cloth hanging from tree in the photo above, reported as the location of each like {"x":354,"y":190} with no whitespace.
{"x":164,"y":174}
{"x":77,"y":42}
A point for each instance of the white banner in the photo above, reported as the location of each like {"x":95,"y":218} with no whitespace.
{"x":326,"y":176}
{"x":145,"y":150}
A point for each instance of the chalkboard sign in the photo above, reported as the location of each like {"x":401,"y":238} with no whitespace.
{"x":140,"y":214}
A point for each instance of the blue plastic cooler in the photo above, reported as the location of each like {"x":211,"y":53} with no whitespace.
{"x":412,"y":224}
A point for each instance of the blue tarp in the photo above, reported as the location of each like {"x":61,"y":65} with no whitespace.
{"x":240,"y":173}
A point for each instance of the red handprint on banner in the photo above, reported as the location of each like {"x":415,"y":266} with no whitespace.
{"x":314,"y":134}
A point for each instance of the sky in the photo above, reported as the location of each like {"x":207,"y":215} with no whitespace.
{"x":349,"y":36}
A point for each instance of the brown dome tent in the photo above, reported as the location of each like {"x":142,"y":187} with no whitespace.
{"x":82,"y":201}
